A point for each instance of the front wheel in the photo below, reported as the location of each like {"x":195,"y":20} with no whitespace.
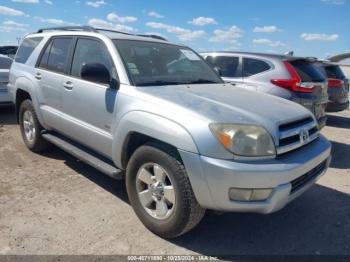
{"x":160,"y":192}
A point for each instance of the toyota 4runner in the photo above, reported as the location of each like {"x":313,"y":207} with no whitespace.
{"x":156,"y":114}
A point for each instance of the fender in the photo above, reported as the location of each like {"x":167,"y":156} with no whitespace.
{"x":150,"y":125}
{"x":26,"y":84}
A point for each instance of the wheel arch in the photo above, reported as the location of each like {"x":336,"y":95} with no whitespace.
{"x":137,"y":128}
{"x":25,"y":89}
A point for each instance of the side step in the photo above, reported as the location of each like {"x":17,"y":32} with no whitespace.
{"x":84,"y":155}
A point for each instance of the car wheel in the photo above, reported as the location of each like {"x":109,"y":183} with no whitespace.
{"x":31,"y":128}
{"x":160,"y":191}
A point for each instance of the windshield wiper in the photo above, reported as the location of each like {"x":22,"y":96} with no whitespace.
{"x":161,"y":83}
{"x":202,"y":81}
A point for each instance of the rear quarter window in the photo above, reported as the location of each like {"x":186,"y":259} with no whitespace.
{"x":26,"y":49}
{"x":307,"y":71}
{"x":253,"y":66}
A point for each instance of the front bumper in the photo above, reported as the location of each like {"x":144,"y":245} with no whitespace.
{"x":211,"y":178}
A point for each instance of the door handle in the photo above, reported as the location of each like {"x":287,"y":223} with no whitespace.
{"x":38,"y":76}
{"x":68,"y":85}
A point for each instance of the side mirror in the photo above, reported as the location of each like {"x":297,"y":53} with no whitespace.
{"x":95,"y":72}
{"x":218,"y":71}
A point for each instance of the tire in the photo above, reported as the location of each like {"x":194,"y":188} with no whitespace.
{"x":185,"y":213}
{"x":35,"y":142}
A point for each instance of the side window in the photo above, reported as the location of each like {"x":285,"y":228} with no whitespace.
{"x":59,"y":52}
{"x":228,"y":65}
{"x":45,"y":56}
{"x":254,"y":66}
{"x":91,"y":51}
{"x":26,"y":49}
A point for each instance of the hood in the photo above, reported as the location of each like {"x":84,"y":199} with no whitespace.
{"x":225,"y":103}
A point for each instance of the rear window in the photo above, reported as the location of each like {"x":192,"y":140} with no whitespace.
{"x":334,"y":71}
{"x":5,"y":63}
{"x":26,"y":49}
{"x":307,"y":71}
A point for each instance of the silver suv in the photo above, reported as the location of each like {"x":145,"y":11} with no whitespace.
{"x":157,"y":114}
{"x":5,"y":64}
{"x":293,"y":78}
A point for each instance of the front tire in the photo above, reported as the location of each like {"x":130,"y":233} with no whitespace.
{"x":31,"y":128}
{"x":160,"y":192}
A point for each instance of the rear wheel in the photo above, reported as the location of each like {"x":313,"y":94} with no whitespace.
{"x":31,"y":128}
{"x":160,"y":192}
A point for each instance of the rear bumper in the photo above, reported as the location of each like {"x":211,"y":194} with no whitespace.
{"x":317,"y":108}
{"x":334,"y":106}
{"x":5,"y":96}
{"x":278,"y":174}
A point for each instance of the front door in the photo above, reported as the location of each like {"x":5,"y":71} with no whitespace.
{"x":90,"y":107}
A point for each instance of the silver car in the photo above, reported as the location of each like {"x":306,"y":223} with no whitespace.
{"x":5,"y":64}
{"x":293,"y":78}
{"x":156,"y":114}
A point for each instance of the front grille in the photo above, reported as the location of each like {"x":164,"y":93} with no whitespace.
{"x":304,"y":179}
{"x":296,"y":134}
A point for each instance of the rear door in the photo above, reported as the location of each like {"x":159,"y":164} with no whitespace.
{"x":253,"y":74}
{"x":51,"y":73}
{"x":229,"y":66}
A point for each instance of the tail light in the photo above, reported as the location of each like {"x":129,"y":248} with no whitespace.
{"x":332,"y":82}
{"x":295,"y":84}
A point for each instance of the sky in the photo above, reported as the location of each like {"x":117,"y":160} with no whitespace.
{"x":307,"y":27}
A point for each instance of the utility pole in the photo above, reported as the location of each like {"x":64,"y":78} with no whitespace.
{"x":18,"y":39}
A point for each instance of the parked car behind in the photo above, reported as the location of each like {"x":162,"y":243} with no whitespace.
{"x":293,"y":78}
{"x":157,"y":114}
{"x":5,"y":64}
{"x":9,"y":50}
{"x":338,"y":86}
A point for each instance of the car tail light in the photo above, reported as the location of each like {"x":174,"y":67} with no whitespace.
{"x":295,"y":84}
{"x":332,"y":82}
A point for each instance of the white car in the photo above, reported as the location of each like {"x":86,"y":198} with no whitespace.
{"x":5,"y":64}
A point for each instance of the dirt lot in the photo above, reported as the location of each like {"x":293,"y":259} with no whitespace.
{"x":53,"y":204}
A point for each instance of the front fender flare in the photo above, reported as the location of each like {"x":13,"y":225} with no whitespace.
{"x":154,"y":126}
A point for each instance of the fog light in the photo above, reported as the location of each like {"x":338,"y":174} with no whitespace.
{"x":241,"y":194}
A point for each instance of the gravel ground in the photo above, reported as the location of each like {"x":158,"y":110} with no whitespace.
{"x":53,"y":204}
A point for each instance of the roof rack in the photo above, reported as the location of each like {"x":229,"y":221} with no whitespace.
{"x":94,"y":30}
{"x":68,"y":28}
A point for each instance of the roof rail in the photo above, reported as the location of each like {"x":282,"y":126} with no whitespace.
{"x":68,"y":28}
{"x":155,"y":37}
{"x":95,"y":30}
{"x":113,"y":31}
{"x":124,"y":33}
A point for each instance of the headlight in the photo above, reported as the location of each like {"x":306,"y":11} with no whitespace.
{"x":244,"y":140}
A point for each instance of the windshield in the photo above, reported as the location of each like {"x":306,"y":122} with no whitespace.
{"x":151,"y":64}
